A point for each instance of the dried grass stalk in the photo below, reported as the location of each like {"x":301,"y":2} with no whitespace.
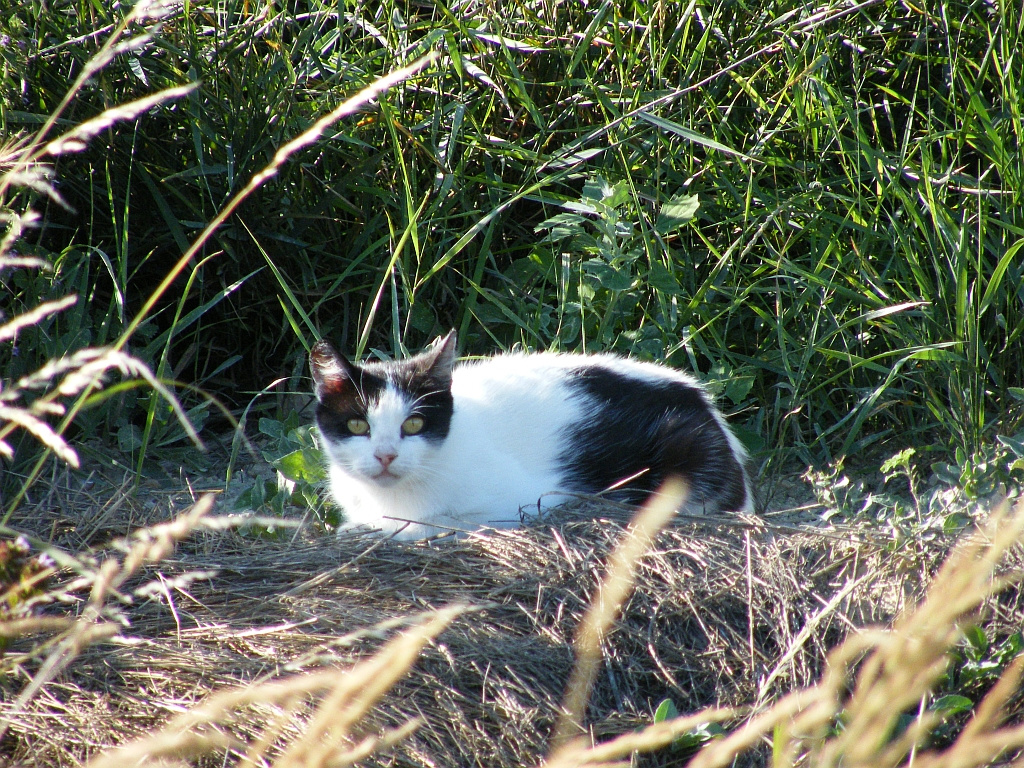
{"x":605,"y":605}
{"x":328,"y":737}
{"x":78,"y":138}
{"x":901,"y":667}
{"x":92,"y":627}
{"x":39,"y":429}
{"x":716,"y":604}
{"x":9,"y":330}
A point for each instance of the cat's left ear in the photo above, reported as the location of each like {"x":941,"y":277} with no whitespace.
{"x":439,"y":360}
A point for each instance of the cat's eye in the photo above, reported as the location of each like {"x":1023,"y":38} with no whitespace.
{"x":412,"y":425}
{"x":358,"y":426}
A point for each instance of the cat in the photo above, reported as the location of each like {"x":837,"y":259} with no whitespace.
{"x":425,"y":445}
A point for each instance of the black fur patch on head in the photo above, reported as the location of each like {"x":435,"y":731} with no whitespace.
{"x":349,"y":389}
{"x":651,"y":430}
{"x":429,"y":391}
{"x":344,"y":391}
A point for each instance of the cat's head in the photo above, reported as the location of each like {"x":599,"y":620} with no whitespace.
{"x":381,"y":421}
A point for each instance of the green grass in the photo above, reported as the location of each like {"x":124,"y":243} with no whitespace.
{"x":848,"y":281}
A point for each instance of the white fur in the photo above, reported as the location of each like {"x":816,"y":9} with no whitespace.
{"x":498,"y":459}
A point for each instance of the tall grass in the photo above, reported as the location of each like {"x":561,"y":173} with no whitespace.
{"x":848,"y":278}
{"x":73,"y":373}
{"x":43,"y":374}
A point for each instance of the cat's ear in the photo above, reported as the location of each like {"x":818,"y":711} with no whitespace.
{"x":439,"y":360}
{"x":332,"y":373}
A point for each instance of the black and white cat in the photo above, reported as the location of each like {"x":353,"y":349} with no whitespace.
{"x":448,"y":445}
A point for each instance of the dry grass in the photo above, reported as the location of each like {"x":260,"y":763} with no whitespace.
{"x":309,"y":650}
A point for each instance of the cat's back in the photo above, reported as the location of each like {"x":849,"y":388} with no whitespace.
{"x":550,"y":396}
{"x":512,"y":377}
{"x":520,"y":401}
{"x":599,"y":419}
{"x":553,"y":378}
{"x":554,"y":388}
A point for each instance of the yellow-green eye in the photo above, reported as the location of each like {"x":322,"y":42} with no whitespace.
{"x":358,"y":426}
{"x":412,"y":425}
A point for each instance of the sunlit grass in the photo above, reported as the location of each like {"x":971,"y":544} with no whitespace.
{"x":852,"y":256}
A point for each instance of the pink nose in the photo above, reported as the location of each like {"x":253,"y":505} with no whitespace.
{"x":385,"y":459}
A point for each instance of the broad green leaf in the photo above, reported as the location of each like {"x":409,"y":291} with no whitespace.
{"x":610,"y":278}
{"x":562,"y":225}
{"x":617,"y":196}
{"x":300,"y":466}
{"x":661,"y":278}
{"x":595,"y":188}
{"x":666,"y":711}
{"x":738,"y":386}
{"x":601,"y":190}
{"x":579,"y":207}
{"x":129,"y":438}
{"x":271,"y":427}
{"x":975,"y":635}
{"x":676,"y":212}
{"x":1014,"y":444}
{"x":901,"y":459}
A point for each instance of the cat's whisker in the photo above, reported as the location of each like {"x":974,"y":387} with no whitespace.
{"x":424,"y":397}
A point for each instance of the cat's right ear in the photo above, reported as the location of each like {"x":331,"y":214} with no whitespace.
{"x":332,"y":373}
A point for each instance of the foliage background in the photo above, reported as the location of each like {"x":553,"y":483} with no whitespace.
{"x":851,"y":276}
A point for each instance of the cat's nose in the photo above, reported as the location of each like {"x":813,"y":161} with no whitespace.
{"x":385,"y":459}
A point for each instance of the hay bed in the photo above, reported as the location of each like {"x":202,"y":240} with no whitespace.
{"x":725,"y":611}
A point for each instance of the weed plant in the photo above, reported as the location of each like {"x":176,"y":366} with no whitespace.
{"x":850,"y":273}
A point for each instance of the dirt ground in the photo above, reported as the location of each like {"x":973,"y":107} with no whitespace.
{"x":726,"y":611}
